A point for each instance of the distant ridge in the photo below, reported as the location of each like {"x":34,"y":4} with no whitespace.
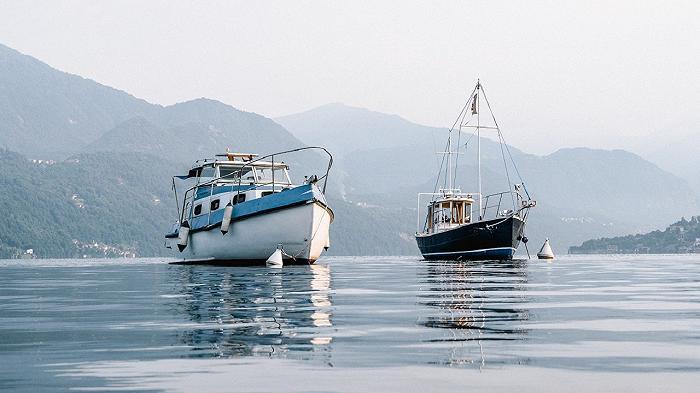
{"x":582,"y":192}
{"x":382,"y":161}
{"x":112,"y":196}
{"x":195,"y":129}
{"x":346,"y":129}
{"x":46,"y":112}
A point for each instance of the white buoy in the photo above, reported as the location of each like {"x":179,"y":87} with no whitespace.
{"x":226,"y":221}
{"x":275,"y":260}
{"x":183,"y":236}
{"x":546,"y":251}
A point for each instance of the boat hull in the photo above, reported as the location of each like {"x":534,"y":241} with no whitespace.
{"x":484,"y":240}
{"x":302,"y":230}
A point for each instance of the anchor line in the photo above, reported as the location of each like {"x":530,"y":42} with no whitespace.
{"x":308,"y":246}
{"x":526,"y":249}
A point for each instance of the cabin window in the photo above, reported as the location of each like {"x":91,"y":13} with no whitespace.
{"x":234,"y":173}
{"x":208,"y":171}
{"x":238,"y":198}
{"x":198,"y":210}
{"x":266,"y":193}
{"x":264,"y":175}
{"x":214,"y":204}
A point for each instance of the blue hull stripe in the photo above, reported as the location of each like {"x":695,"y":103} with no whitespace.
{"x":204,"y":192}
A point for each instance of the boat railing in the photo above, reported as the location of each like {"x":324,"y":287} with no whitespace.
{"x":493,"y":203}
{"x":497,"y":205}
{"x":189,"y":195}
{"x":188,"y":203}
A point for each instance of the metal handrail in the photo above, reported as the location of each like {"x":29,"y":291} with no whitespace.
{"x":517,"y":208}
{"x":212,"y":182}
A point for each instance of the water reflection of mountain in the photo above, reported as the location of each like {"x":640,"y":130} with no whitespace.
{"x":474,"y":303}
{"x":255,"y":311}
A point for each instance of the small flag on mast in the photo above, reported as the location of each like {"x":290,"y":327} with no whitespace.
{"x":476,"y":97}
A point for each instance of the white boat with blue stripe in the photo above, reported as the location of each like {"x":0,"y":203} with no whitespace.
{"x":239,"y":209}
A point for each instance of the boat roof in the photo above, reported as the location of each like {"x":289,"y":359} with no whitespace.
{"x":237,"y":160}
{"x":454,"y":198}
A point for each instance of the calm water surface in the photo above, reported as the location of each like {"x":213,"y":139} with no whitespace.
{"x":352,"y":324}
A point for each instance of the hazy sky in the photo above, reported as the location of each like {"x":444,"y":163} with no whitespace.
{"x":557,"y":73}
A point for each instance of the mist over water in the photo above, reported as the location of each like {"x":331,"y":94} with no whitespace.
{"x":630,"y":322}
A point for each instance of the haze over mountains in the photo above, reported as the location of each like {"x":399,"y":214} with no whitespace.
{"x":675,"y":151}
{"x":582,"y":193}
{"x":47,"y":115}
{"x":114,"y":189}
{"x":50,"y":113}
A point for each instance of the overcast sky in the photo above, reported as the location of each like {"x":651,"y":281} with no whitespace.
{"x":558,"y":73}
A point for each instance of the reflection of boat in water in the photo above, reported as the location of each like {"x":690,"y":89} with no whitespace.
{"x":453,"y":228}
{"x":474,"y":302}
{"x":239,"y":209}
{"x":283,"y":313}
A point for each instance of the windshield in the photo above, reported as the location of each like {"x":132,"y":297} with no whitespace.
{"x":207,"y":173}
{"x":233,"y":173}
{"x":265,"y":175}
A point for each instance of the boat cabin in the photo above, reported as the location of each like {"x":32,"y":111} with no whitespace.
{"x":448,"y":212}
{"x":234,"y":178}
{"x":240,"y":168}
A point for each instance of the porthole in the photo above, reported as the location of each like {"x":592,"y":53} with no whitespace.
{"x":238,"y":198}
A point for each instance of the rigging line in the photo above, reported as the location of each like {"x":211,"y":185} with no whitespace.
{"x":459,"y":138}
{"x":506,"y":145}
{"x":466,"y":144}
{"x":463,"y":109}
{"x":432,"y":134}
{"x":502,"y":141}
{"x":505,"y":165}
{"x":447,"y":169}
{"x":437,"y":181}
{"x":460,"y":118}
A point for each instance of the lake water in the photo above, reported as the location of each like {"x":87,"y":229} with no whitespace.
{"x":593,"y":323}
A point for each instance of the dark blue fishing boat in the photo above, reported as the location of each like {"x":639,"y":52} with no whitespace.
{"x":473,"y":226}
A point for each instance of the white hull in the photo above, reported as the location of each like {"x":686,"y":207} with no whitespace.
{"x":302,"y":230}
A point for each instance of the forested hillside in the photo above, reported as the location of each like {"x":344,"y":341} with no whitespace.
{"x":116,"y":203}
{"x":680,"y":237}
{"x":121,"y":204}
{"x":86,"y":170}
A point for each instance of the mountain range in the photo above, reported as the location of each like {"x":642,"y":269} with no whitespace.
{"x":64,"y":185}
{"x":86,"y":170}
{"x":675,"y":149}
{"x":582,"y":193}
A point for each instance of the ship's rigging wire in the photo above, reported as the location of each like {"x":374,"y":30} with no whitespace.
{"x":506,"y":146}
{"x":460,"y":120}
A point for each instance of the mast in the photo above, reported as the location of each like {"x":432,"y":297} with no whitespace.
{"x":449,"y":162}
{"x":478,"y":144}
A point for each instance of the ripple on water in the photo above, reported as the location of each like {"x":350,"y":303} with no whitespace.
{"x":586,"y":314}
